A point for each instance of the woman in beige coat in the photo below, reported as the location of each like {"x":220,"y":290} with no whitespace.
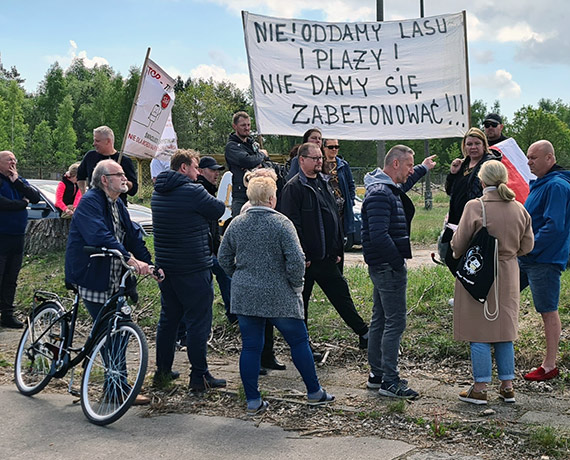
{"x":496,"y":323}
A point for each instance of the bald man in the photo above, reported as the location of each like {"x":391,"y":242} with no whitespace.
{"x":15,"y":194}
{"x":548,"y":204}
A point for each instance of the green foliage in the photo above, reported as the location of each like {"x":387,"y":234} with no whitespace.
{"x":42,"y":148}
{"x":12,"y":122}
{"x":548,"y":441}
{"x":202,"y":114}
{"x":531,"y":125}
{"x":398,"y":407}
{"x":64,"y":136}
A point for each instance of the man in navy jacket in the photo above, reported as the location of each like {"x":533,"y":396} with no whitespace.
{"x":182,"y":211}
{"x":101,"y":219}
{"x":386,"y":218}
{"x":15,"y":194}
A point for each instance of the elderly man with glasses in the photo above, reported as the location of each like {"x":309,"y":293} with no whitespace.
{"x":308,"y":200}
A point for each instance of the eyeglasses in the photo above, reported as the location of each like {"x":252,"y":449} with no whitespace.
{"x":488,"y":124}
{"x":333,"y":147}
{"x":313,"y":158}
{"x":116,"y":174}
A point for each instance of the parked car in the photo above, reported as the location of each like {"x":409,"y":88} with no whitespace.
{"x":225,"y":194}
{"x":46,"y":208}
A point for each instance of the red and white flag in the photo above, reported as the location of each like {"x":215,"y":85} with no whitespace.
{"x":516,"y":163}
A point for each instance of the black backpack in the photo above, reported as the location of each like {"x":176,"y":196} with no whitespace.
{"x":478,"y":268}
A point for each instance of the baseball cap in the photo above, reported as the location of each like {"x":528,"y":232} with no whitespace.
{"x":209,"y":162}
{"x":494,"y":117}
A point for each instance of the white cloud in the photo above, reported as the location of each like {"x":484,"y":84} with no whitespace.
{"x":217,"y":73}
{"x":501,"y":83}
{"x":484,"y":56}
{"x":520,"y":32}
{"x":72,"y":53}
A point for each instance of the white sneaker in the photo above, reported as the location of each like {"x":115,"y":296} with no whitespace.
{"x":451,"y":302}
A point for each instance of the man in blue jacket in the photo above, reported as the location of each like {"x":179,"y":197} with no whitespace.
{"x":15,"y":194}
{"x":101,"y":220}
{"x":182,"y":211}
{"x":387,"y":214}
{"x":548,"y":203}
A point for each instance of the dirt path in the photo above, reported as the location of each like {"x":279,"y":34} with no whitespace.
{"x":421,"y":256}
{"x":437,"y":422}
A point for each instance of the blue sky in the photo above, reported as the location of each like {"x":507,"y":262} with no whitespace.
{"x":518,"y":52}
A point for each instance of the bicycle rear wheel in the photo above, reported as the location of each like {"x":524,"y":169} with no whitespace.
{"x":114,"y":373}
{"x":40,"y":345}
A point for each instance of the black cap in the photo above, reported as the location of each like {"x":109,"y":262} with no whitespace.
{"x":494,"y":117}
{"x":210,"y":163}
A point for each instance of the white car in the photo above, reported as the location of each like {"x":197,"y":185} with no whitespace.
{"x":46,"y":208}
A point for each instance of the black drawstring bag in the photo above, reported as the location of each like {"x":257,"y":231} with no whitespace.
{"x":478,"y":268}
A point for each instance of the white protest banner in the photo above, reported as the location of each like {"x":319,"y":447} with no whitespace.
{"x":371,"y":80}
{"x":150,"y":113}
{"x":168,"y":143}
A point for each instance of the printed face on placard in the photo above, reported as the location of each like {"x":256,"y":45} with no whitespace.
{"x":165,"y":101}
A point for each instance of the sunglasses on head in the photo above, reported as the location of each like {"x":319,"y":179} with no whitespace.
{"x":488,"y":124}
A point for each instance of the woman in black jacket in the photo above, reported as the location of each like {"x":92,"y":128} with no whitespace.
{"x":463,"y":184}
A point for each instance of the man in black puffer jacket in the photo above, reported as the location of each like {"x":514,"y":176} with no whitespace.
{"x":386,"y":218}
{"x":181,"y":212}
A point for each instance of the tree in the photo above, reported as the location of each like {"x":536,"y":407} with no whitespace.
{"x":64,"y":135}
{"x":12,"y":123}
{"x":42,"y":148}
{"x":52,"y":90}
{"x":202,"y":114}
{"x":530,"y":125}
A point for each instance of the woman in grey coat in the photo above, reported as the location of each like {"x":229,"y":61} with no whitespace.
{"x":261,"y":252}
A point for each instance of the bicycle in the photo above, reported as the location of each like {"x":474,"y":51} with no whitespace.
{"x":114,"y":357}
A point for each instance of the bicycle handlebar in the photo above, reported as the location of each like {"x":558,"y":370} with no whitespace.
{"x":106,"y":252}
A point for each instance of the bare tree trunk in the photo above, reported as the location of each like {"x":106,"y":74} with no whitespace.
{"x":46,"y":235}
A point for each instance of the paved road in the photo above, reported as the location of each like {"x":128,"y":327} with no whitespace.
{"x":50,"y":426}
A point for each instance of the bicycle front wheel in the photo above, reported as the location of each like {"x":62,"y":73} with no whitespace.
{"x":114,"y":373}
{"x":41,"y":344}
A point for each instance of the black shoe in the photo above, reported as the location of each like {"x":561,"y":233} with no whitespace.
{"x":162,"y":379}
{"x":273,"y":364}
{"x":10,"y":322}
{"x":207,"y":382}
{"x":362,"y":342}
{"x":317,"y":357}
{"x":262,"y":371}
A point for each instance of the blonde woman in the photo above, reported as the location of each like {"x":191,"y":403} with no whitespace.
{"x":262,"y":254}
{"x":463,"y":184}
{"x":510,"y":224}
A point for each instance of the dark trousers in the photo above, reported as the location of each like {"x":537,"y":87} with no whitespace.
{"x":189,"y":296}
{"x":10,"y":264}
{"x":327,"y":275}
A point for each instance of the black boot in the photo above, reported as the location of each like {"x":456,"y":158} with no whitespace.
{"x":8,"y":320}
{"x":272,"y":363}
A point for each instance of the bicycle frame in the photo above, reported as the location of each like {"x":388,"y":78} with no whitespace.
{"x":108,"y":319}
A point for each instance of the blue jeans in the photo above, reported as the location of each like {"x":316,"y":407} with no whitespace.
{"x":544,"y":281}
{"x":295,"y":334}
{"x":113,"y":354}
{"x":388,"y":320}
{"x":481,"y":360}
{"x":189,"y":296}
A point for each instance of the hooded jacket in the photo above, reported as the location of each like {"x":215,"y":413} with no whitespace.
{"x":181,"y":212}
{"x":548,"y":204}
{"x":387,"y":214}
